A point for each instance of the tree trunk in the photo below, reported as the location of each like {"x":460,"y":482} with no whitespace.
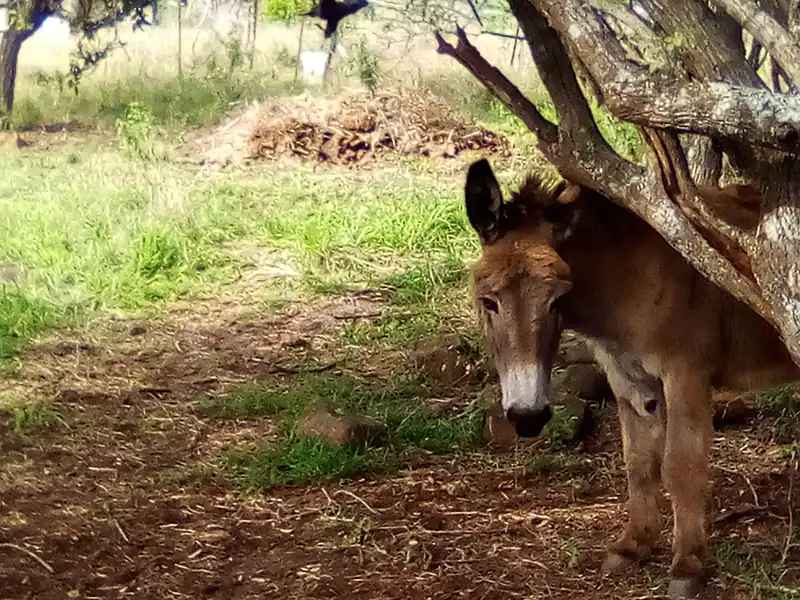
{"x":10,"y":45}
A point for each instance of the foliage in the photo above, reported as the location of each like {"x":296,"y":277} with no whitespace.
{"x":29,"y":417}
{"x":22,"y":316}
{"x":135,"y":128}
{"x":285,"y":10}
{"x":366,"y":65}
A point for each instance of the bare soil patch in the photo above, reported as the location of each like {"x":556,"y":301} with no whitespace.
{"x":121,"y":498}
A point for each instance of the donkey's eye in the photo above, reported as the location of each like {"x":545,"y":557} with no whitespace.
{"x":490,"y":305}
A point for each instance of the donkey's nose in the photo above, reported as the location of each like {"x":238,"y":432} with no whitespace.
{"x":529,"y":423}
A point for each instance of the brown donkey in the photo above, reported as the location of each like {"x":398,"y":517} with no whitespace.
{"x":568,"y":257}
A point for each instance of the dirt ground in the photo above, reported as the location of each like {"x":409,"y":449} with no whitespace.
{"x":120,"y":497}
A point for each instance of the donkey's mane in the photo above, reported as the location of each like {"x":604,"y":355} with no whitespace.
{"x":537,"y":191}
{"x":530,"y":202}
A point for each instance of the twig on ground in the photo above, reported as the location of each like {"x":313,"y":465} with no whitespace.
{"x":303,"y":370}
{"x":361,"y":500}
{"x":121,"y":532}
{"x":787,"y":547}
{"x":756,"y":501}
{"x":370,"y":315}
{"x":30,"y":553}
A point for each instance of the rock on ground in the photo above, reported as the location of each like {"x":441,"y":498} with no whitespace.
{"x":584,"y":380}
{"x":347,"y":429}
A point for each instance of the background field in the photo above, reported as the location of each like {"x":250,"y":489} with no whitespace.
{"x":165,"y":323}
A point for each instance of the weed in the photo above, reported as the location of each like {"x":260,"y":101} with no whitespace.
{"x":135,"y":128}
{"x":30,"y":417}
{"x":547,"y":461}
{"x":783,"y":408}
{"x":756,"y":567}
{"x":157,"y":252}
{"x":570,"y":551}
{"x":284,"y":10}
{"x":20,"y":317}
{"x":366,"y":65}
{"x":303,"y":460}
{"x":394,"y":329}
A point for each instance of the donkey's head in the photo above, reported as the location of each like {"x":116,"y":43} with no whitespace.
{"x":518,"y":283}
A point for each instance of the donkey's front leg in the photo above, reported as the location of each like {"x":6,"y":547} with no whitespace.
{"x":686,"y":475}
{"x":642,"y":417}
{"x":643,"y":446}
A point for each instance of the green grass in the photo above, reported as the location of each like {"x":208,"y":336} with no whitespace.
{"x":291,"y":460}
{"x":29,"y":417}
{"x":22,"y":316}
{"x":782,"y":408}
{"x":104,"y":230}
{"x":758,"y":568}
{"x":207,"y":93}
{"x":556,"y":461}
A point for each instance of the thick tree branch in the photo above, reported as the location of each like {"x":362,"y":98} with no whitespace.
{"x":499,"y":85}
{"x":706,"y":48}
{"x":778,"y":75}
{"x":705,"y":159}
{"x":576,"y":146}
{"x":729,"y":265}
{"x":729,"y":112}
{"x":556,"y":72}
{"x":762,"y":26}
{"x":755,"y":58}
{"x":777,"y":254}
{"x":709,"y":52}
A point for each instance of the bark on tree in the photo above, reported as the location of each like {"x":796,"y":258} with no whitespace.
{"x":10,"y":45}
{"x":710,"y":93}
{"x":28,"y":19}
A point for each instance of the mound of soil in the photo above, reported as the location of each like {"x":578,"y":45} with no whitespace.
{"x":356,"y":127}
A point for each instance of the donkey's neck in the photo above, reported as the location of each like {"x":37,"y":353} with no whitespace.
{"x":605,"y":259}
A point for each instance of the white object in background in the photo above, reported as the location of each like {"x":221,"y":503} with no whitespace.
{"x":54,"y":31}
{"x":313,"y":63}
{"x":3,"y":17}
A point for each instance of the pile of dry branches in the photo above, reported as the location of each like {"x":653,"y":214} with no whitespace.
{"x":359,"y":126}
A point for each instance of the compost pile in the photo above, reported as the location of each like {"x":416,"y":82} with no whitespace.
{"x":359,"y":126}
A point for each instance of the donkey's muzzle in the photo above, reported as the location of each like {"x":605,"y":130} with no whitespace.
{"x":529,"y":423}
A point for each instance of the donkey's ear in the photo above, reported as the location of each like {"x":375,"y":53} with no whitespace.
{"x":484,"y":200}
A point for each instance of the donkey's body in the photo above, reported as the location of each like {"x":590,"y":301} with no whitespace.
{"x":665,"y":335}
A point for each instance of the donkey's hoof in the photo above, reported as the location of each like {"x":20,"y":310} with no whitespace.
{"x":615,"y":563}
{"x":684,"y":588}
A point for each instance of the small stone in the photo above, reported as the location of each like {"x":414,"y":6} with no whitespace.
{"x":497,"y":429}
{"x":732,"y":412}
{"x":70,"y":348}
{"x":11,"y":273}
{"x":339,"y":429}
{"x":137,"y":330}
{"x":573,"y":350}
{"x":586,"y":381}
{"x":446,"y":363}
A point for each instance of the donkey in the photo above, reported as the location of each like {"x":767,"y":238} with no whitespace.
{"x":565,"y":257}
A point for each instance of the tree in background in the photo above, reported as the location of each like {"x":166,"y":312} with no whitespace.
{"x":711,"y":87}
{"x":89,"y":17}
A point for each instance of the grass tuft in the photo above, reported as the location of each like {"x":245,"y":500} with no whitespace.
{"x":22,"y":316}
{"x":30,"y":417}
{"x":292,"y":461}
